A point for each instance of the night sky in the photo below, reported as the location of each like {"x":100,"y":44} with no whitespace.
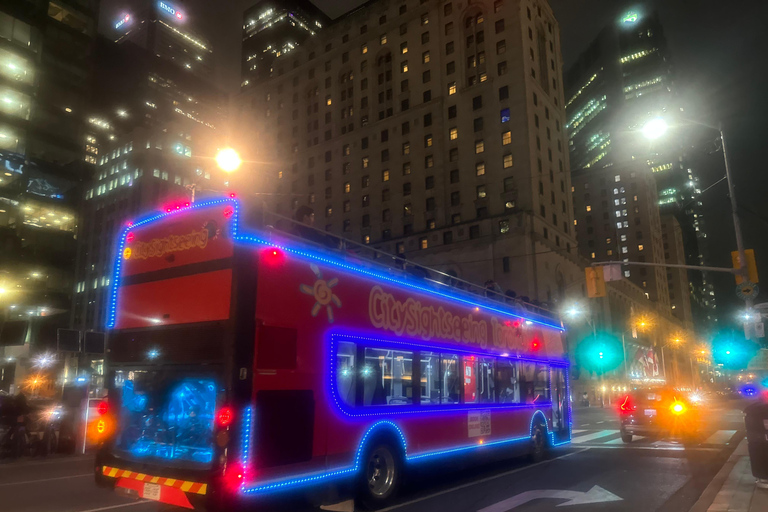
{"x":719,"y":53}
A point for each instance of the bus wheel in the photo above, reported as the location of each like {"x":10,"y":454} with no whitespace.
{"x":380,"y":476}
{"x":538,"y":443}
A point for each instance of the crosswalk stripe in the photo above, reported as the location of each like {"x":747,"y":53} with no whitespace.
{"x":720,"y":437}
{"x":619,"y":441}
{"x":577,"y":431}
{"x":596,"y":435}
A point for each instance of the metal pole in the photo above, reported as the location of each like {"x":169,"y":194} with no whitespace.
{"x":664,"y":365}
{"x":736,"y":223}
{"x":624,"y":350}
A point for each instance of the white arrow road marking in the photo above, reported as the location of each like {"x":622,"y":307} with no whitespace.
{"x":595,"y":495}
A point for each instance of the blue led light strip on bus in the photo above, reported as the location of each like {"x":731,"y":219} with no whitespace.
{"x":378,"y":411}
{"x":306,"y":254}
{"x":382,"y":426}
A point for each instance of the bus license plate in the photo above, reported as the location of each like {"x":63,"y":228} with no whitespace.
{"x":151,"y":492}
{"x":650,"y":412}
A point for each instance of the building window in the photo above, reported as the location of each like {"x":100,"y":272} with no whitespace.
{"x":385,"y":175}
{"x":454,"y":176}
{"x":406,"y":148}
{"x":404,"y":66}
{"x":455,"y":199}
{"x":452,"y":88}
{"x":640,"y":247}
{"x":501,"y":47}
{"x":481,"y":192}
{"x":479,"y":146}
{"x":506,"y":138}
{"x":454,"y":133}
{"x":508,"y":161}
{"x":423,"y":242}
{"x":504,"y":228}
{"x":404,"y":47}
{"x":425,"y":57}
{"x":429,"y":161}
{"x":383,"y":39}
{"x":480,"y":168}
{"x":429,"y":182}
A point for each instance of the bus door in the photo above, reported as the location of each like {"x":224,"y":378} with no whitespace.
{"x":560,"y":419}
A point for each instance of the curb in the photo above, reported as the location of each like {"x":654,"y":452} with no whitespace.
{"x":710,"y":493}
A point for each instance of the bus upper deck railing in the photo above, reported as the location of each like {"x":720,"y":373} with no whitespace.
{"x":279,"y":226}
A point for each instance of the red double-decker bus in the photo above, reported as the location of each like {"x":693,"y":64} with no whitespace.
{"x":244,"y":362}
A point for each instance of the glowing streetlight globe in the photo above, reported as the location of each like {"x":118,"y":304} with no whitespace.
{"x":228,"y":160}
{"x":655,"y":128}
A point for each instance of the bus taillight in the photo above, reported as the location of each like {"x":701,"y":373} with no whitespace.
{"x":224,"y":417}
{"x":103,"y":408}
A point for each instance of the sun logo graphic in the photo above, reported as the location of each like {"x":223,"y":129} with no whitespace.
{"x":322,"y":293}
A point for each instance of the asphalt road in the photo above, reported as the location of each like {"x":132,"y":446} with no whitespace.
{"x":596,"y":473}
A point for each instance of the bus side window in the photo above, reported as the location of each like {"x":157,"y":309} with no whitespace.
{"x":387,"y":377}
{"x":507,"y":382}
{"x":541,"y":384}
{"x":479,"y":385}
{"x":451,"y":378}
{"x":430,"y":378}
{"x":527,"y":384}
{"x":345,"y":372}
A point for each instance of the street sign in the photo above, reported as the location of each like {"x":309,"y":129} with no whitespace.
{"x":747,"y":290}
{"x":595,"y":495}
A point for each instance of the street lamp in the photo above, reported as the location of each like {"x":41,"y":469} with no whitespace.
{"x":655,"y":128}
{"x":228,"y":160}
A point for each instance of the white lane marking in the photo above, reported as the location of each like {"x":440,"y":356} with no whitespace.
{"x":577,"y":431}
{"x":619,"y":441}
{"x":596,"y":435}
{"x":46,"y":479}
{"x":130,"y":504}
{"x":606,"y":446}
{"x":720,"y":437}
{"x":599,"y":422}
{"x":468,"y":484}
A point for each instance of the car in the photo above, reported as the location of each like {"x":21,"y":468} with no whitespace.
{"x":659,"y":412}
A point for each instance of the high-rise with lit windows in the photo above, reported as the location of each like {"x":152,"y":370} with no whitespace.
{"x":44,"y":77}
{"x":158,"y":128}
{"x":623,"y":80}
{"x":272,"y":29}
{"x":166,"y":29}
{"x":432,"y":130}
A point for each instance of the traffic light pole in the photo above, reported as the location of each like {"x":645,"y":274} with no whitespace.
{"x":736,"y":223}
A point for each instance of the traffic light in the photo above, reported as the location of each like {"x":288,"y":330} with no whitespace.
{"x":732,"y":350}
{"x":595,"y":282}
{"x":600,"y":353}
{"x":751,"y":265}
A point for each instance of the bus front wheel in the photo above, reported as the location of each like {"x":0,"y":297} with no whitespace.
{"x":380,"y":476}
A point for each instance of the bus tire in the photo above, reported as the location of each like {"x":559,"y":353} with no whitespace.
{"x":538,"y":443}
{"x":381,"y":475}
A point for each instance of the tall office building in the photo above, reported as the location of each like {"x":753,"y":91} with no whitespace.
{"x":45,"y":50}
{"x":621,"y":82}
{"x":431,"y":130}
{"x":617,"y":219}
{"x":164,"y":28}
{"x":273,"y":28}
{"x":159,"y":128}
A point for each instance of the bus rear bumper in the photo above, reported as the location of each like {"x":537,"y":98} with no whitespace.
{"x":171,"y":491}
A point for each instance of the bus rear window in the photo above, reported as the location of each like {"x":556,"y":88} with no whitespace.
{"x":166,"y":417}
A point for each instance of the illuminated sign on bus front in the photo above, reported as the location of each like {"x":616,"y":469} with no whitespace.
{"x":171,"y":10}
{"x":125,"y":19}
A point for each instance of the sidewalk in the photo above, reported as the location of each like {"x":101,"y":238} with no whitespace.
{"x":733,"y":489}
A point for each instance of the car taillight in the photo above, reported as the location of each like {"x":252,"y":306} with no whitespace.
{"x":224,"y":416}
{"x":103,"y":408}
{"x":678,"y":408}
{"x":626,"y":406}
